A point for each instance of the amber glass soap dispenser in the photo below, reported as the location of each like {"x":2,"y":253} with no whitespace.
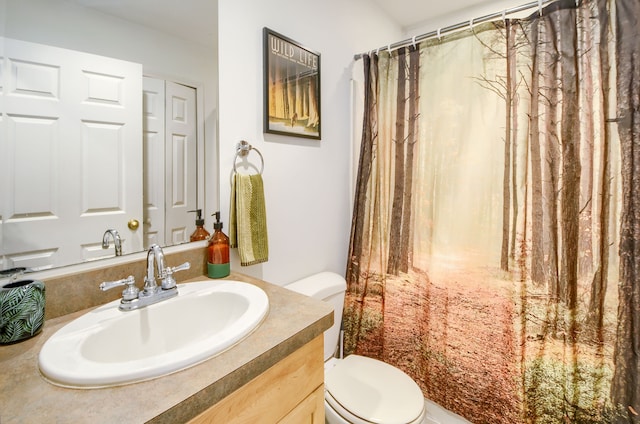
{"x":218,"y":251}
{"x":200,"y":233}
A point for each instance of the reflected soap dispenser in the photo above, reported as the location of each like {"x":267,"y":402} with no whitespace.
{"x":200,"y":233}
{"x":218,"y":252}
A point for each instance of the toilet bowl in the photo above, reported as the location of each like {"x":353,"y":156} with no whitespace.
{"x":359,"y":390}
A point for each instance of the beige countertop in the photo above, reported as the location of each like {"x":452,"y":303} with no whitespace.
{"x":25,"y":397}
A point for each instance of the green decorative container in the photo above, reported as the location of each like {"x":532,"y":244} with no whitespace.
{"x":21,"y":310}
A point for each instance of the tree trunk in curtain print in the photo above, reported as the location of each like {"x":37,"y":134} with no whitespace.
{"x":625,"y":388}
{"x":551,"y":160}
{"x":406,"y":239}
{"x":570,"y":182}
{"x":537,"y":247}
{"x":362,"y":180}
{"x":570,"y":196}
{"x":512,"y":89}
{"x":595,"y":316}
{"x":585,"y":44}
{"x":506,"y":186}
{"x":360,"y":245}
{"x":395,"y":227}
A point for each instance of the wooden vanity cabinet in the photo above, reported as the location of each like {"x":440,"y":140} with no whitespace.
{"x":291,"y":392}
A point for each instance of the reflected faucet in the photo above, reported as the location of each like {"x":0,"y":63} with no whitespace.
{"x":14,"y":273}
{"x":117,"y":241}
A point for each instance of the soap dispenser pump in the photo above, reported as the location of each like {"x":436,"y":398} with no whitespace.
{"x":218,"y":251}
{"x":200,"y":233}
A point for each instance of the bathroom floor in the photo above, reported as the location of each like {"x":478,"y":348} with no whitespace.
{"x":436,"y":414}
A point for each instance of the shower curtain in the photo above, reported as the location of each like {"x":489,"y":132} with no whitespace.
{"x":495,"y":243}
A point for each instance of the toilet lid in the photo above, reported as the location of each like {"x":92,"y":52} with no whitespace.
{"x":374,"y":391}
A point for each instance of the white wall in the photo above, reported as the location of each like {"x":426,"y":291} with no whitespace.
{"x":306,"y":181}
{"x":3,"y":15}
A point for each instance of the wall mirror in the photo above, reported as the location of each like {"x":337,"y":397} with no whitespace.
{"x":105,"y":112}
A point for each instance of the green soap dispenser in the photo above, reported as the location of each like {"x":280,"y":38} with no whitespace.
{"x":200,"y":233}
{"x":218,"y":251}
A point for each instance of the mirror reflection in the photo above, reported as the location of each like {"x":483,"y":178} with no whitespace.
{"x":102,"y":131}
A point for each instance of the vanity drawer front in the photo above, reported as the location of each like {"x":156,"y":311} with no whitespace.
{"x":309,"y":411}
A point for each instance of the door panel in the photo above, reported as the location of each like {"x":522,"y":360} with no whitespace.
{"x":154,"y":153}
{"x":181,"y":169}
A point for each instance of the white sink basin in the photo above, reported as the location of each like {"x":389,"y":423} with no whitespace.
{"x":107,"y":347}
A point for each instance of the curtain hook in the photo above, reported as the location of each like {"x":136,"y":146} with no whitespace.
{"x":389,"y":47}
{"x":439,"y":36}
{"x":413,"y":41}
{"x":540,"y":7}
{"x":504,"y":15}
{"x":471,"y":23}
{"x":378,"y":51}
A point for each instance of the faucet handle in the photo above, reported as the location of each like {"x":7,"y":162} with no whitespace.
{"x":129,"y":293}
{"x":169,"y":282}
{"x":184,"y":266}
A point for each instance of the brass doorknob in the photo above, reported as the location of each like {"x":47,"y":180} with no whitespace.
{"x":133,"y":224}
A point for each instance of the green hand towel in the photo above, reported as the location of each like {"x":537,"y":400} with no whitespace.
{"x":248,"y":219}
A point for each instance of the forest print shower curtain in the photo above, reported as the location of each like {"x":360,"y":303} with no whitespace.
{"x":495,"y":244}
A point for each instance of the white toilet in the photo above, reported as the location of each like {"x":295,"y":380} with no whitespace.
{"x":359,"y":390}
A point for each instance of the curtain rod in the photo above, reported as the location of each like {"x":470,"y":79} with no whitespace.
{"x":411,"y":41}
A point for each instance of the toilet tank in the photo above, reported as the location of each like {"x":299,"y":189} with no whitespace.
{"x":328,"y":287}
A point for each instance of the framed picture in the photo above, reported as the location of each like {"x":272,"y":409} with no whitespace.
{"x":291,"y":87}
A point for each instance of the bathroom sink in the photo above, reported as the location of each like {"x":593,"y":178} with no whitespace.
{"x":107,"y":347}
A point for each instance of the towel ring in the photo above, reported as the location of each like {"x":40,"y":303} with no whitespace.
{"x":242,"y":149}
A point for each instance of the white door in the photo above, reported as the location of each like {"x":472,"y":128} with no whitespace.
{"x":73,"y":123}
{"x":180,"y":162}
{"x":154,"y":152}
{"x":170,"y":134}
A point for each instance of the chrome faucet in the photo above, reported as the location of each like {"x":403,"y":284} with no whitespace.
{"x":154,"y":254}
{"x":132,"y":298}
{"x":117,"y":241}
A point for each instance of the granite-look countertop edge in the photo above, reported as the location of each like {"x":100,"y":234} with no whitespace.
{"x":25,"y":396}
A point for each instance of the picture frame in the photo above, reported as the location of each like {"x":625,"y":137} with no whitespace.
{"x":291,"y":87}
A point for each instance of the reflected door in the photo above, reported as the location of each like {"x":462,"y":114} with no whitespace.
{"x":71,"y":154}
{"x":170,"y":185}
{"x":154,"y":152}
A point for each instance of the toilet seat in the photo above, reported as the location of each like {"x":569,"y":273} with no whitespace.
{"x":364,"y":390}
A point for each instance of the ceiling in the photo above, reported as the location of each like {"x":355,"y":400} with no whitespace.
{"x":408,"y":13}
{"x":195,"y":20}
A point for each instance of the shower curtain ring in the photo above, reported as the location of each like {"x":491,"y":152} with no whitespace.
{"x":413,"y":40}
{"x":471,"y":23}
{"x":540,"y":7}
{"x":504,"y":15}
{"x":439,"y":36}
